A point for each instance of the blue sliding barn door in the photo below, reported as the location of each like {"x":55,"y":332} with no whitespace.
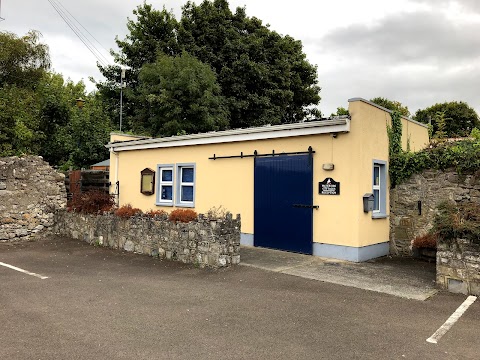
{"x":283,"y":195}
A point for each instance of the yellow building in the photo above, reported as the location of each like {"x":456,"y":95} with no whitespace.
{"x":301,"y":187}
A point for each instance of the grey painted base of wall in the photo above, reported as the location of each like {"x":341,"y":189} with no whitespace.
{"x":246,"y":239}
{"x":351,"y":253}
{"x":348,"y":253}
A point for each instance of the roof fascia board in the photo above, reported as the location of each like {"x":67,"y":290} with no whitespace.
{"x":385,"y":109}
{"x":328,"y":126}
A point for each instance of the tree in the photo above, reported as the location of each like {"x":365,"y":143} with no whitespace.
{"x":392,"y":105}
{"x":38,"y":114}
{"x":179,"y":94}
{"x":86,"y":134}
{"x":152,"y":32}
{"x":23,"y":61}
{"x":340,"y":111}
{"x":459,"y":118}
{"x":263,"y":76}
{"x":56,"y":101}
{"x":18,"y":121}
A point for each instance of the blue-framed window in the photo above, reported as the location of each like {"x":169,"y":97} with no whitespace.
{"x":185,"y":187}
{"x":166,"y":181}
{"x":379,"y":188}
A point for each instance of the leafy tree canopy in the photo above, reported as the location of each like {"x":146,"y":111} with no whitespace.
{"x":392,"y":105}
{"x":459,"y":118}
{"x":38,"y":114}
{"x":23,"y":61}
{"x":340,"y":111}
{"x":264,"y":77}
{"x":178,"y":94}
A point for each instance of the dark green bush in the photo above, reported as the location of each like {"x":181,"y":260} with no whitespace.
{"x":463,"y":156}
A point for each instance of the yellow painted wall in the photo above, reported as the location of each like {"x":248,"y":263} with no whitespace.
{"x":229,"y":182}
{"x":124,"y":137}
{"x":415,"y":134}
{"x":369,"y":124}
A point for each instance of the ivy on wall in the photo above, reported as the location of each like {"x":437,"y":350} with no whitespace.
{"x":462,"y":155}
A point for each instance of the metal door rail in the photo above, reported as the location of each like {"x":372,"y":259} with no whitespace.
{"x":256,"y":154}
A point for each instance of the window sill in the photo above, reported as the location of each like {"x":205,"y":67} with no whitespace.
{"x":170,"y":204}
{"x":379,"y":216}
{"x":185,"y":205}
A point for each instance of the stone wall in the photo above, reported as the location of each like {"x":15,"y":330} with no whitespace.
{"x":430,"y":188}
{"x":204,"y":243}
{"x":30,"y":192}
{"x":458,"y":266}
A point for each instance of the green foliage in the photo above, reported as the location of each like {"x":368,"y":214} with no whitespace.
{"x":454,"y":221}
{"x":18,"y":120}
{"x":179,"y":95}
{"x":38,"y":114}
{"x":460,"y":118}
{"x":86,"y":134}
{"x":475,"y":134}
{"x":395,"y":134}
{"x":340,"y":111}
{"x":264,"y":77}
{"x":23,"y":61}
{"x":392,"y":105}
{"x":463,"y":155}
{"x":440,"y":123}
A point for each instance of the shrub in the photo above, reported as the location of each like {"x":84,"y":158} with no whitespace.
{"x":127,"y":211}
{"x":157,"y":213}
{"x":428,"y":240}
{"x":463,"y":156}
{"x":215,"y":213}
{"x":458,"y":221}
{"x":91,"y":202}
{"x":182,"y":215}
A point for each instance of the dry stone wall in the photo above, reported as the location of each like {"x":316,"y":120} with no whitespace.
{"x":204,"y":242}
{"x":458,"y":266}
{"x":30,"y":192}
{"x":413,"y":204}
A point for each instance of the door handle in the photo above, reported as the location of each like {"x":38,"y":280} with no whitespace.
{"x":306,"y":206}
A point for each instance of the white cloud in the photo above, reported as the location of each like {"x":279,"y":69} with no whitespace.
{"x":415,"y":51}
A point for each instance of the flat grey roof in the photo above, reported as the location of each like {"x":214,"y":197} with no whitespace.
{"x":102,"y":163}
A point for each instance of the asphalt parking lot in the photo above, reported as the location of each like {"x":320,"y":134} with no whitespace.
{"x":99,"y":303}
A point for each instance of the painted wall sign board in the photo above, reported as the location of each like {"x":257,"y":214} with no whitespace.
{"x":329,"y":187}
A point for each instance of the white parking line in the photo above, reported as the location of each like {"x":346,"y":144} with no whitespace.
{"x":442,"y":330}
{"x":23,"y":271}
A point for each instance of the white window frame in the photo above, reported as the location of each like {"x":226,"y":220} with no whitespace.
{"x":378,"y":186}
{"x":180,"y":183}
{"x":161,"y":182}
{"x":381,"y":212}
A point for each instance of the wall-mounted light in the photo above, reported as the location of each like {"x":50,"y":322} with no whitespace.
{"x":147,"y":182}
{"x":328,"y":166}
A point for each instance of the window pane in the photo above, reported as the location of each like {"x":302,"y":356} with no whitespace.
{"x":167,"y":175}
{"x":167,"y":192}
{"x":147,"y":183}
{"x":187,"y":193}
{"x":187,"y":175}
{"x":376,"y":175}
{"x":376,"y":200}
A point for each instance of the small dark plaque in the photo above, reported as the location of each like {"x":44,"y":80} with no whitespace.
{"x":329,"y":187}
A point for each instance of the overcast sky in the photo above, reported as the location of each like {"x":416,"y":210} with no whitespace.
{"x":418,"y":52}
